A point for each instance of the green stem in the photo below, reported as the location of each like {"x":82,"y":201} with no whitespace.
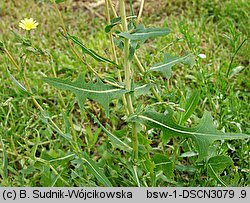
{"x":139,"y":65}
{"x":25,"y":78}
{"x":142,"y":70}
{"x":232,"y":59}
{"x":75,"y":51}
{"x":140,"y":12}
{"x":112,"y":8}
{"x":114,"y":53}
{"x":32,"y":97}
{"x":55,"y":75}
{"x":11,"y":59}
{"x":155,"y":93}
{"x":128,"y":78}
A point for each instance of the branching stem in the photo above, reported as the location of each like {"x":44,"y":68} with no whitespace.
{"x":128,"y":78}
{"x":114,"y":53}
{"x":75,"y":51}
{"x":139,"y":65}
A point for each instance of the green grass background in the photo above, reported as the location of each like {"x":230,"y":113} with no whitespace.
{"x":214,"y":28}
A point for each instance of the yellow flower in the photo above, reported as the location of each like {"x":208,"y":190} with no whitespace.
{"x":28,"y":24}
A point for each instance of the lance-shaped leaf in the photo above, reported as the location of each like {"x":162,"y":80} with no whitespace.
{"x":94,"y":169}
{"x":216,"y":165}
{"x":204,"y":134}
{"x":45,"y":117}
{"x":132,"y":48}
{"x":190,"y":107}
{"x":17,"y":83}
{"x":100,"y":92}
{"x":168,"y":63}
{"x":90,"y":52}
{"x":59,"y":1}
{"x":119,"y":43}
{"x":163,"y":163}
{"x":142,"y":89}
{"x":114,"y":22}
{"x":142,"y":34}
{"x":114,"y":139}
{"x":219,"y":163}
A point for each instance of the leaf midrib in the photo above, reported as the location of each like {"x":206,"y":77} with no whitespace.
{"x":167,"y":64}
{"x":149,"y":33}
{"x":93,"y":168}
{"x":190,"y":106}
{"x":214,"y":136}
{"x":86,"y":90}
{"x":163,"y":163}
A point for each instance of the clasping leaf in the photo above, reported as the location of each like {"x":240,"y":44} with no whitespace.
{"x":100,"y":92}
{"x":204,"y":134}
{"x":142,"y":34}
{"x":114,"y":139}
{"x":114,"y":22}
{"x":169,"y":62}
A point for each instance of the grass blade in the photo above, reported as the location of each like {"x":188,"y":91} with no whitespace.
{"x":17,"y":83}
{"x":4,"y":160}
{"x":114,"y":139}
{"x":96,"y":170}
{"x":59,"y":1}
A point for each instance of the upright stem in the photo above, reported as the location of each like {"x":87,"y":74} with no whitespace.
{"x":128,"y":78}
{"x":232,"y":59}
{"x":140,"y":12}
{"x":11,"y":58}
{"x":29,"y":89}
{"x":112,"y":8}
{"x":114,"y":53}
{"x":75,"y":51}
{"x":126,"y":46}
{"x":25,"y":78}
{"x":142,"y":70}
{"x":139,"y":65}
{"x":55,"y":75}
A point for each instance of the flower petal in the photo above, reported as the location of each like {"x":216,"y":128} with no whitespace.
{"x":28,"y":24}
